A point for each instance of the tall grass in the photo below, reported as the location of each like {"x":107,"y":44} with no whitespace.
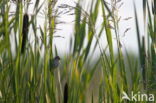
{"x":24,"y":72}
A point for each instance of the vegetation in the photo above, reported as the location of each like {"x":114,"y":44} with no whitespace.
{"x":24,"y":72}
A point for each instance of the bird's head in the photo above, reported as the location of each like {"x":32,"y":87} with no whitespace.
{"x":57,"y":58}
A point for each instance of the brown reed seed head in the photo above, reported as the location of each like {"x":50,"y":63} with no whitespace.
{"x":66,"y":93}
{"x":25,"y":31}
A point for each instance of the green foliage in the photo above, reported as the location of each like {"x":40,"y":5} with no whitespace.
{"x":26,"y":77}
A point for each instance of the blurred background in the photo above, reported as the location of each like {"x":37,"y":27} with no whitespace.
{"x":65,"y":27}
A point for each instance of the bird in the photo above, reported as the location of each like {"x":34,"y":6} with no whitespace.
{"x":54,"y":63}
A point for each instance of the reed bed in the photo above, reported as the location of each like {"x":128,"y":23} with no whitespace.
{"x":25,"y":75}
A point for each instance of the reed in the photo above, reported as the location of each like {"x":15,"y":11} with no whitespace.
{"x":25,"y":63}
{"x":25,"y":31}
{"x":66,"y":93}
